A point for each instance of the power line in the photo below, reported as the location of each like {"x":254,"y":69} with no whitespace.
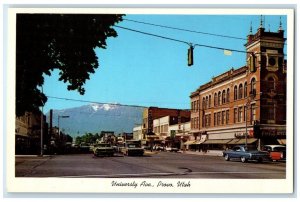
{"x":186,"y":30}
{"x":181,"y":41}
{"x":96,"y":102}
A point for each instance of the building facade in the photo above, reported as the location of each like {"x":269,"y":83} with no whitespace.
{"x":28,"y":133}
{"x":150,"y":114}
{"x":248,"y":104}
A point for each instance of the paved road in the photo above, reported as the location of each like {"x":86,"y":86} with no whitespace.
{"x":160,"y":165}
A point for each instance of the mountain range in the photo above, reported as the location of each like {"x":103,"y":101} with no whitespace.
{"x":94,"y":118}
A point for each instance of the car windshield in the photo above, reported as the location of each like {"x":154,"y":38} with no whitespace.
{"x":279,"y":149}
{"x":103,"y":145}
{"x":250,"y":148}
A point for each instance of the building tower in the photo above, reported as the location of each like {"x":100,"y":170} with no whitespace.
{"x":267,"y":84}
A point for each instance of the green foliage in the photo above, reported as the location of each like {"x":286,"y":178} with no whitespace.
{"x":87,"y":138}
{"x":57,"y":41}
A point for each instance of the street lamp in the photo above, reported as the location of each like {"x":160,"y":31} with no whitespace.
{"x":58,"y":123}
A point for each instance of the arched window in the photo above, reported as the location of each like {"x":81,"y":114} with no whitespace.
{"x":219,"y":98}
{"x":228,"y":95}
{"x":209,"y":101}
{"x":203,"y":103}
{"x":223,"y":97}
{"x":240,"y":91}
{"x":253,"y":87}
{"x":235,"y":92}
{"x":206,"y":102}
{"x":271,"y":84}
{"x":215,"y":99}
{"x":245,"y":89}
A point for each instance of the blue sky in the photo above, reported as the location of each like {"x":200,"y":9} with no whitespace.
{"x":138,"y":69}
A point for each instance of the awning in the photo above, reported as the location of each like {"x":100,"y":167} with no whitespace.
{"x":189,"y":142}
{"x":282,"y":141}
{"x":242,"y":141}
{"x":220,"y":141}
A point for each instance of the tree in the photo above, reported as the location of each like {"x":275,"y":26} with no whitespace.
{"x":45,"y":42}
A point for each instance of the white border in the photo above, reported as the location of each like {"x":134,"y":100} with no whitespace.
{"x":83,"y":185}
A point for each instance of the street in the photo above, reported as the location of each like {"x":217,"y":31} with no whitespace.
{"x":154,"y":165}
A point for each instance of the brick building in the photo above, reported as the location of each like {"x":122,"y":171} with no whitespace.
{"x":249,"y":100}
{"x":152,"y":113}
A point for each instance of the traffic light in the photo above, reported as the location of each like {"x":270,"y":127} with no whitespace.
{"x":190,"y":56}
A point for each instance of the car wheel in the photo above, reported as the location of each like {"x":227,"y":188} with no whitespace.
{"x":260,"y":160}
{"x":227,"y":157}
{"x":243,"y":159}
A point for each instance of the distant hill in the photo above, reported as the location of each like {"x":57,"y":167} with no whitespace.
{"x":96,"y":118}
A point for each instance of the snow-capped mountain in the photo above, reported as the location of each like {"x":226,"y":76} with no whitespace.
{"x":96,"y":118}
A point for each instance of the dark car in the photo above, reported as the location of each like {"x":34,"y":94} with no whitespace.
{"x":103,"y":149}
{"x":246,"y":153}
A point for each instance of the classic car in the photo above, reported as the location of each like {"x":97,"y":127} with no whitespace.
{"x":277,"y":152}
{"x":103,"y":149}
{"x":246,"y":153}
{"x":172,"y":149}
{"x":132,"y":148}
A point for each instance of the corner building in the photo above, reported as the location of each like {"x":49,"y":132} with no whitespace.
{"x":250,"y":100}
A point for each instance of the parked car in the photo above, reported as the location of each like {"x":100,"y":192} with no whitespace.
{"x":158,"y":148}
{"x":132,"y":148}
{"x":277,"y":152}
{"x":172,"y":149}
{"x":246,"y":153}
{"x":103,"y":149}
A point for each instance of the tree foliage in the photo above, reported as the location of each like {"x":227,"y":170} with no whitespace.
{"x":57,"y":41}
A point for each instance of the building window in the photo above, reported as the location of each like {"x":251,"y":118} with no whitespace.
{"x":271,"y":112}
{"x":197,"y":106}
{"x":235,"y":93}
{"x":228,"y":95}
{"x":209,"y":101}
{"x":271,"y":84}
{"x":227,"y":116}
{"x":209,"y":119}
{"x":223,"y":117}
{"x":240,"y":91}
{"x":206,"y":102}
{"x":215,"y":99}
{"x":203,"y":103}
{"x":245,"y":90}
{"x":219,"y":98}
{"x":235,"y":116}
{"x":215,"y":119}
{"x":253,"y":113}
{"x":223,"y":97}
{"x":206,"y":120}
{"x":218,"y":118}
{"x":240,"y":114}
{"x":253,"y":87}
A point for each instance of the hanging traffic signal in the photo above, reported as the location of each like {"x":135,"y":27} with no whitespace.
{"x":190,"y":56}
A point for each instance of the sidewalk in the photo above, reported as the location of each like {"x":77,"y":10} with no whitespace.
{"x":208,"y":153}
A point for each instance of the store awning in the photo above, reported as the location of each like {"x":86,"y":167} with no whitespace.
{"x":242,"y":141}
{"x":190,"y":142}
{"x":282,"y":141}
{"x":220,"y":141}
